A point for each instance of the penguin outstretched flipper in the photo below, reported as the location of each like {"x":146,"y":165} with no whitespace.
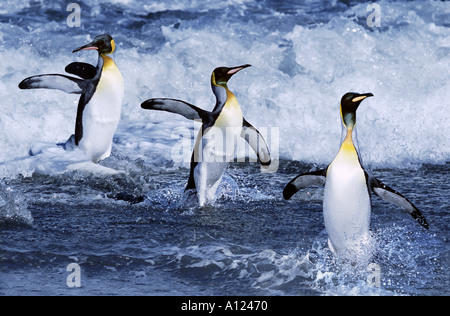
{"x":101,"y":91}
{"x":83,"y":70}
{"x":183,"y":108}
{"x":211,"y":155}
{"x":392,"y":196}
{"x":192,"y":112}
{"x":305,"y":180}
{"x":257,"y":142}
{"x":58,"y":82}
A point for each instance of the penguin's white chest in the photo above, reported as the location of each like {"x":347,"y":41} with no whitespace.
{"x":101,"y":115}
{"x":346,"y":204}
{"x":215,"y":149}
{"x":219,"y":142}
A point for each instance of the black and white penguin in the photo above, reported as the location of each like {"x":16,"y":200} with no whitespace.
{"x":347,"y":200}
{"x":216,"y":142}
{"x":100,"y":104}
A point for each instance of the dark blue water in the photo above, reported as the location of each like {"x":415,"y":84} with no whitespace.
{"x":252,"y":243}
{"x":305,"y":56}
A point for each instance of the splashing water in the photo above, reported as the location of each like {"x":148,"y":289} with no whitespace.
{"x":56,"y":209}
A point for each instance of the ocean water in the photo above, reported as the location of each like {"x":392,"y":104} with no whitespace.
{"x":56,"y":210}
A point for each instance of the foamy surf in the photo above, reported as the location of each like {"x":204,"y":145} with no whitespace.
{"x":137,"y":234}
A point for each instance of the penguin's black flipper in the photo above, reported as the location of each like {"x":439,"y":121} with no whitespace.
{"x":257,"y":142}
{"x":305,"y":180}
{"x":185,"y":109}
{"x":57,"y":82}
{"x":390,"y":195}
{"x":83,"y":70}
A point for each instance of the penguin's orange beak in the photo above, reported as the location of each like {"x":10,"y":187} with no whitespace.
{"x":237,"y":69}
{"x":90,"y":46}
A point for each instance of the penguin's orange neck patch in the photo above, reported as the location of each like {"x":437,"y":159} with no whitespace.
{"x":348,"y":150}
{"x":108,"y":62}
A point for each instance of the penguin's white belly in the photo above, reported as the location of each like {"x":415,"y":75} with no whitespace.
{"x":217,"y":148}
{"x":101,"y":116}
{"x":347,"y":208}
{"x":207,"y":178}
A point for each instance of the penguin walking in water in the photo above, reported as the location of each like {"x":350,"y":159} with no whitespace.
{"x":216,"y":142}
{"x":347,"y":199}
{"x":99,"y":108}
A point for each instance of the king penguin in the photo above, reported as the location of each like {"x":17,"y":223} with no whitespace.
{"x":99,"y":107}
{"x":347,"y":200}
{"x":216,"y":141}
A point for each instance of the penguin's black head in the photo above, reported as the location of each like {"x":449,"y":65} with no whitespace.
{"x":349,"y":104}
{"x":104,"y":44}
{"x":221,"y":75}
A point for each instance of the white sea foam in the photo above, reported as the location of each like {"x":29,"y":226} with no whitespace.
{"x":300,"y":71}
{"x":13,"y":209}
